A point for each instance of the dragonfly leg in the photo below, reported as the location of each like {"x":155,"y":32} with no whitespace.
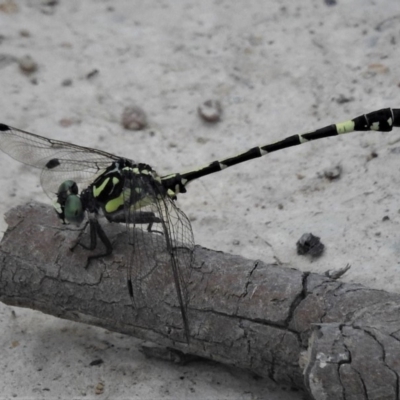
{"x":78,"y":240}
{"x":93,"y":237}
{"x":95,"y":231}
{"x":153,"y":231}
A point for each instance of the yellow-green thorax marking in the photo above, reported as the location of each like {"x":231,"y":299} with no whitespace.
{"x":110,"y":190}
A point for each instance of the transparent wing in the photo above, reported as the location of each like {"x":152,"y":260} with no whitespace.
{"x":58,"y":160}
{"x":161,"y":253}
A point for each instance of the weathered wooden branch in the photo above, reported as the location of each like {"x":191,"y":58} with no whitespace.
{"x":335,"y":340}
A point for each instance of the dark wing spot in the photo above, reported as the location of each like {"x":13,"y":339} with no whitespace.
{"x":54,"y":162}
{"x":4,"y":128}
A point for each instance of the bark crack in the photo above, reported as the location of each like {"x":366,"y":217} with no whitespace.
{"x":373,"y":336}
{"x":299,"y":298}
{"x":245,"y":292}
{"x":362,"y":382}
{"x":272,"y":324}
{"x":271,"y":372}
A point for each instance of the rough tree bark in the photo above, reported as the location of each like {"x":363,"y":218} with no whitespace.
{"x":334,"y":340}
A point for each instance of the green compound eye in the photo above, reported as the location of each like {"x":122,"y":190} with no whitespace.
{"x":67,"y":194}
{"x":73,"y":209}
{"x":65,"y":189}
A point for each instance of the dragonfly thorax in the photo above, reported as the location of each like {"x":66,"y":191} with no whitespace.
{"x":122,"y":184}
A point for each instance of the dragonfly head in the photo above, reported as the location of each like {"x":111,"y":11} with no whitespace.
{"x":69,"y":205}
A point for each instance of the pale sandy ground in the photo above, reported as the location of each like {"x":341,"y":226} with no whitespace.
{"x":278,"y":68}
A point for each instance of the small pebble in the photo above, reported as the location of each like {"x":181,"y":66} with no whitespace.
{"x":309,"y":244}
{"x":343,"y":99}
{"x":24,"y":33}
{"x":48,"y":6}
{"x":210,"y":111}
{"x":66,"y":122}
{"x":50,"y":3}
{"x":27,"y":65}
{"x":98,"y":361}
{"x":372,"y":155}
{"x":9,"y":7}
{"x":92,"y":74}
{"x":378,"y":68}
{"x":66,"y":82}
{"x":99,"y":388}
{"x":66,"y":45}
{"x":133,"y":118}
{"x":333,"y":173}
{"x":201,"y":140}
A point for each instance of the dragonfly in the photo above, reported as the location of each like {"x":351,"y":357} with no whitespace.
{"x":134,"y":194}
